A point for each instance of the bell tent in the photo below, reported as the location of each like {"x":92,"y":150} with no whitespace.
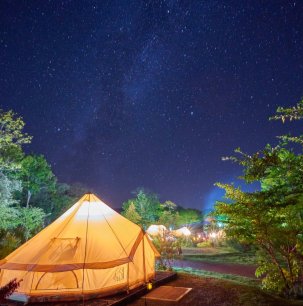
{"x":90,"y":251}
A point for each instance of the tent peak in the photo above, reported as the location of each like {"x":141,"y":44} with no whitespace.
{"x":88,"y":194}
{"x":90,"y":197}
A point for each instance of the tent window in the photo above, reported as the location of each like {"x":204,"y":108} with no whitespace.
{"x":57,"y":280}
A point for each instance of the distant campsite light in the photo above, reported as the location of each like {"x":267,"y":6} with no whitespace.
{"x":155,"y":230}
{"x":186,"y":231}
{"x":213,"y":235}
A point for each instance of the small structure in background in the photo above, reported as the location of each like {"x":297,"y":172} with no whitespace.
{"x":183,"y":231}
{"x":156,"y":230}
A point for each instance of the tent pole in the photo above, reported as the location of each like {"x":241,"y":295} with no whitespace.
{"x":127,"y":277}
{"x":85,"y":248}
{"x":144,"y":267}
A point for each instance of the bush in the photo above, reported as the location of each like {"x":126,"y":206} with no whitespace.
{"x":9,"y":289}
{"x":168,"y":248}
{"x":186,"y":242}
{"x":204,"y":244}
{"x":238,"y":246}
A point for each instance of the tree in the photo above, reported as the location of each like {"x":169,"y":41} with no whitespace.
{"x":170,"y":206}
{"x":16,"y":224}
{"x":169,"y":218}
{"x":169,"y":215}
{"x":270,"y":218}
{"x":188,"y":215}
{"x":31,"y":221}
{"x":290,"y":113}
{"x":131,"y":214}
{"x":147,"y":206}
{"x":63,"y":197}
{"x":12,"y":138}
{"x":8,"y":212}
{"x":36,"y":175}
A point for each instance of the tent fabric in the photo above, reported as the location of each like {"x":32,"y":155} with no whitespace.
{"x":89,"y":249}
{"x":156,"y":230}
{"x":183,"y":231}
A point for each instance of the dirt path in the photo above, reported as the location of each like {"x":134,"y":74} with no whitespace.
{"x":237,"y":269}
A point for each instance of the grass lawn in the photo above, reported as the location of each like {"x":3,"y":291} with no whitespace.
{"x":215,"y":292}
{"x":207,"y":251}
{"x":211,"y":274}
{"x":219,"y":255}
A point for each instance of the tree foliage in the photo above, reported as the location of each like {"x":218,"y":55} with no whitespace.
{"x":28,"y":187}
{"x":290,"y":113}
{"x":131,"y":214}
{"x":145,"y":209}
{"x":8,"y":212}
{"x":147,"y":205}
{"x":188,"y":216}
{"x":270,"y":218}
{"x":12,"y":138}
{"x":36,"y":175}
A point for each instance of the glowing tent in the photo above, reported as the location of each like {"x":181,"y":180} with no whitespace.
{"x":183,"y":231}
{"x":89,"y":251}
{"x":156,"y":230}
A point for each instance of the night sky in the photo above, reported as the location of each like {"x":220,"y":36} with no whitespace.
{"x":122,"y":94}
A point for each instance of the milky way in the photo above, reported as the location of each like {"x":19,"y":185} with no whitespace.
{"x":122,"y":94}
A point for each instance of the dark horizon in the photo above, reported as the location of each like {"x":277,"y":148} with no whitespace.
{"x":150,"y":94}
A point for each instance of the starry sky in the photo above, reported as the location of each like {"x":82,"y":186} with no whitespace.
{"x":122,"y":94}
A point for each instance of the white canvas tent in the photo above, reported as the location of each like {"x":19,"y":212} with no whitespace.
{"x":183,"y":231}
{"x":89,"y":251}
{"x":156,"y":230}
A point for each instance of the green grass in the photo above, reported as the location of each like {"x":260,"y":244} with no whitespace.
{"x":231,"y":277}
{"x":219,"y":255}
{"x":207,"y":251}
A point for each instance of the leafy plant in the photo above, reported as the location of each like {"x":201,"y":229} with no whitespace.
{"x":8,"y":289}
{"x":271,"y":218}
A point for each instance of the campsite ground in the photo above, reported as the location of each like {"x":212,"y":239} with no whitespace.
{"x":219,"y":276}
{"x":215,"y":292}
{"x":219,"y":254}
{"x":219,"y":260}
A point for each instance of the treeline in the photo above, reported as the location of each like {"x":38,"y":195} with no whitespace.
{"x":146,"y":209}
{"x":30,"y":194}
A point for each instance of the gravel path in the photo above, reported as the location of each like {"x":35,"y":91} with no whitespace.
{"x":237,"y":269}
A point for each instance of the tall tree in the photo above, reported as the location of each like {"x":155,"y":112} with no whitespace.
{"x":8,"y":211}
{"x":188,"y":215}
{"x":15,"y":225}
{"x":147,"y":205}
{"x":36,"y":175}
{"x":169,"y":215}
{"x":270,"y":218}
{"x":131,"y":214}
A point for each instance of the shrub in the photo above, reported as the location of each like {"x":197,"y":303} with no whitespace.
{"x":204,"y":244}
